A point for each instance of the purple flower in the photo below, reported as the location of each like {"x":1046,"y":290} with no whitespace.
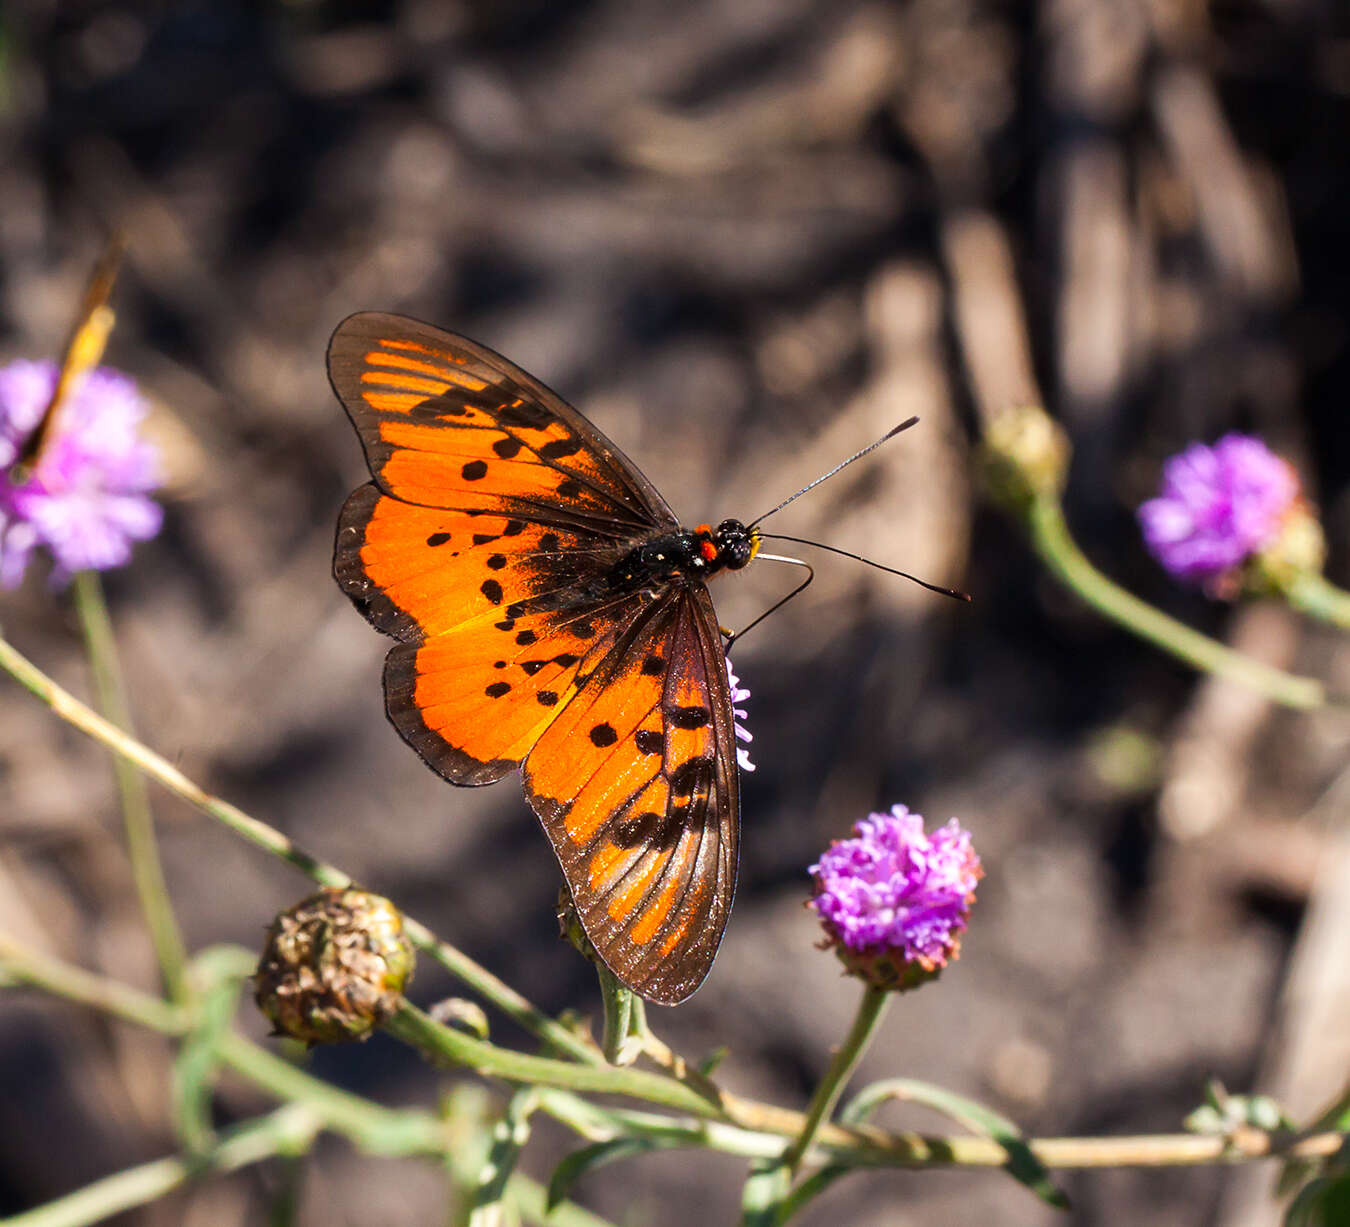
{"x":739,"y":694}
{"x":1218,"y":506}
{"x":894,"y":900}
{"x":85,"y":499}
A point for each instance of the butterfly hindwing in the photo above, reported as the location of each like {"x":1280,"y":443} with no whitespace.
{"x":483,"y":603}
{"x":635,"y":783}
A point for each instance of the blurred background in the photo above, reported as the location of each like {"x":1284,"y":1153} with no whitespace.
{"x":745,"y":237}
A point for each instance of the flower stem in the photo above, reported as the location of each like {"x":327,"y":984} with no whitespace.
{"x":870,"y":1010}
{"x":1051,"y":540}
{"x":138,"y":824}
{"x":1312,"y":594}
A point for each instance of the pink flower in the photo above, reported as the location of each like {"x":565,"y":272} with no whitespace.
{"x":86,"y":498}
{"x":894,"y":900}
{"x":1218,"y":506}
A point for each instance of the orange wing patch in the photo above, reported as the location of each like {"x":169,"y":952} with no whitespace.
{"x":444,"y":568}
{"x":479,"y":466}
{"x":490,"y":652}
{"x":448,"y":424}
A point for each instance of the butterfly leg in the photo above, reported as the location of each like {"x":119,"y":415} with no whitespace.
{"x":732,"y":636}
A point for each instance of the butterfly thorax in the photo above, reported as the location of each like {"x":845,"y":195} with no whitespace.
{"x":699,"y":555}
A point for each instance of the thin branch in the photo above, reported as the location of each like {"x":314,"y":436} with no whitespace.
{"x":138,"y":823}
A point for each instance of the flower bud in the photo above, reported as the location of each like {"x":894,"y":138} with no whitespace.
{"x":334,"y":966}
{"x":1026,"y":456}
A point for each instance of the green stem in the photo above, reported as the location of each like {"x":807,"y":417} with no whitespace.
{"x":604,"y":1124}
{"x":281,"y":1132}
{"x":23,"y":966}
{"x":1051,"y":540}
{"x":870,"y":1010}
{"x":442,"y":1044}
{"x":502,"y":995}
{"x":618,"y":1001}
{"x":142,"y":850}
{"x":1313,"y":595}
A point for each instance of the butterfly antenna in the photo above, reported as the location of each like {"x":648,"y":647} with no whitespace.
{"x":811,"y":485}
{"x":955,"y":593}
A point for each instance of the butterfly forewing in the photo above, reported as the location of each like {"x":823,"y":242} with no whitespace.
{"x":447,"y":422}
{"x":486,"y":546}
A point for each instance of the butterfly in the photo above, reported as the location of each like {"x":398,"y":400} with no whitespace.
{"x":84,"y":348}
{"x":552,"y":617}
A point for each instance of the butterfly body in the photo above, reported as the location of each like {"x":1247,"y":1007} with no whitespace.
{"x":696,"y":555}
{"x":552,"y":617}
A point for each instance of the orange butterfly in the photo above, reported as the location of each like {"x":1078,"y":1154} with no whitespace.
{"x":552,"y":615}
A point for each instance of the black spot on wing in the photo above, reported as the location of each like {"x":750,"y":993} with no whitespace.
{"x":693,"y":717}
{"x":603,"y":735}
{"x":692,"y":776}
{"x":525,"y":413}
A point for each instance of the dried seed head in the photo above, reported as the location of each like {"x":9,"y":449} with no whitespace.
{"x":334,"y":966}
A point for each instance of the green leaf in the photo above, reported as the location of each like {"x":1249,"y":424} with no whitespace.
{"x":487,"y":1202}
{"x":588,"y":1158}
{"x":708,"y":1066}
{"x":765,"y":1196}
{"x":1022,"y":1164}
{"x":1324,"y":1202}
{"x":217,"y":975}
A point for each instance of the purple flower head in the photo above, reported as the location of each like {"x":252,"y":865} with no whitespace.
{"x":894,"y":900}
{"x":86,"y":499}
{"x":739,"y":694}
{"x":1218,"y":506}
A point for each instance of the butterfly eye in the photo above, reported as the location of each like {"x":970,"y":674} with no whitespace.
{"x":737,"y":553}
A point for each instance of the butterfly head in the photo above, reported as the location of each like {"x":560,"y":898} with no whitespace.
{"x":731,"y":545}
